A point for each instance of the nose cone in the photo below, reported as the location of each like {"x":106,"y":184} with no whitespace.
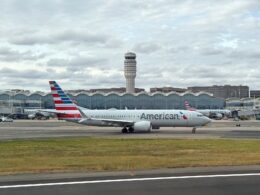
{"x":206,"y":120}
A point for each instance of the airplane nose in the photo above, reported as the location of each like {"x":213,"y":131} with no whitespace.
{"x":207,"y":120}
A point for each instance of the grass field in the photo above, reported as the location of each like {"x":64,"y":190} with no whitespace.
{"x":97,"y":154}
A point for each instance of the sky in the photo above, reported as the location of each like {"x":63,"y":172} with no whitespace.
{"x":81,"y":44}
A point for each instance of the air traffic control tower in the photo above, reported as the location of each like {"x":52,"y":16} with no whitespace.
{"x":130,"y":71}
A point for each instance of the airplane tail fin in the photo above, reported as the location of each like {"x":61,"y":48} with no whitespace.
{"x":63,"y":104}
{"x":188,"y":107}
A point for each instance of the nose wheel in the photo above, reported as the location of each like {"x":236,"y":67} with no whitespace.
{"x":193,"y":130}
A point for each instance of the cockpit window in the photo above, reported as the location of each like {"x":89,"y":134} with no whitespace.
{"x":200,"y":115}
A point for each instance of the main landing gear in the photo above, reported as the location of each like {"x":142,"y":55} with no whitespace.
{"x":128,"y":130}
{"x":124,"y":130}
{"x":193,"y":130}
{"x":131,"y":130}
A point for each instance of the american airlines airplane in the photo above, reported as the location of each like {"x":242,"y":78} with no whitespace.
{"x":211,"y":113}
{"x":129,"y":120}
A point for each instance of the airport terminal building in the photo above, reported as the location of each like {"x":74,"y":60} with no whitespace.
{"x":99,"y":100}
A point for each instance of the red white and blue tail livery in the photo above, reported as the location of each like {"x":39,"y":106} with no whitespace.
{"x":64,"y":106}
{"x":188,"y":107}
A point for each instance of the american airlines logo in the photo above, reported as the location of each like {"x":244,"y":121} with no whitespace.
{"x":163,"y":116}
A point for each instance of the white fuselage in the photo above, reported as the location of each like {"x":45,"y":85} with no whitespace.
{"x":208,"y":112}
{"x":158,"y":118}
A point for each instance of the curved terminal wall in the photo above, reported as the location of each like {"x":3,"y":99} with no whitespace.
{"x":121,"y":101}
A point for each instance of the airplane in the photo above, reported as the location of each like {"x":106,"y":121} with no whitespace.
{"x":42,"y":114}
{"x":6,"y":119}
{"x":130,"y":120}
{"x":211,"y":113}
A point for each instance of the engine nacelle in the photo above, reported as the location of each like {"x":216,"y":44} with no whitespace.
{"x":142,"y":126}
{"x":217,"y":116}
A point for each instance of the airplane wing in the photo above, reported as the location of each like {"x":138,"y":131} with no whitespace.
{"x":52,"y":111}
{"x":112,"y":122}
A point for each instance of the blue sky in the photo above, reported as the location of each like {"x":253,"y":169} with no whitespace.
{"x":81,"y":43}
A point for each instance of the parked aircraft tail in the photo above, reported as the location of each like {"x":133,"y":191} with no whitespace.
{"x":188,"y":107}
{"x":64,"y":106}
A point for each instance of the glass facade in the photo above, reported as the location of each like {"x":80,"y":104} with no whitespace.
{"x":121,"y":100}
{"x":244,"y":103}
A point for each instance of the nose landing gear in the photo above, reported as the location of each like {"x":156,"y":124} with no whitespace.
{"x":193,"y":130}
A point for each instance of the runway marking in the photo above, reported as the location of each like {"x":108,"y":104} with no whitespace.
{"x":128,"y":180}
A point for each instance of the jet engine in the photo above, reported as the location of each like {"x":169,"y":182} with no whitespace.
{"x":217,"y":116}
{"x":142,"y":126}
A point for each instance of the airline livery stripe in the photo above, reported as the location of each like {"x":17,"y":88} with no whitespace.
{"x":58,"y":102}
{"x":54,"y":92}
{"x":58,"y":97}
{"x":68,"y":102}
{"x":65,"y":98}
{"x":55,"y":88}
{"x":60,"y":91}
{"x":69,"y":112}
{"x":55,"y":95}
{"x":53,"y":85}
{"x":65,"y":105}
{"x":68,"y":118}
{"x":69,"y":115}
{"x":66,"y":108}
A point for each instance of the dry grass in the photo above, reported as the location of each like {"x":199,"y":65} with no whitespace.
{"x":94,"y":154}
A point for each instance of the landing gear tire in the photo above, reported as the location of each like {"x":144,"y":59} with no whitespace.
{"x":124,"y":130}
{"x":131,"y":130}
{"x":193,"y":130}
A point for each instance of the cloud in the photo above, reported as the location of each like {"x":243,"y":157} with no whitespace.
{"x":77,"y":63}
{"x":10,"y":55}
{"x":60,"y":37}
{"x":211,"y":51}
{"x":178,"y":43}
{"x":26,"y":74}
{"x":146,"y":48}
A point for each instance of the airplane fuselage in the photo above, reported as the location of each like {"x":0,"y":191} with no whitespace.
{"x":157,"y":118}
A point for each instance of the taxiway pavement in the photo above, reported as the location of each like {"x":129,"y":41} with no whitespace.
{"x":26,"y":129}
